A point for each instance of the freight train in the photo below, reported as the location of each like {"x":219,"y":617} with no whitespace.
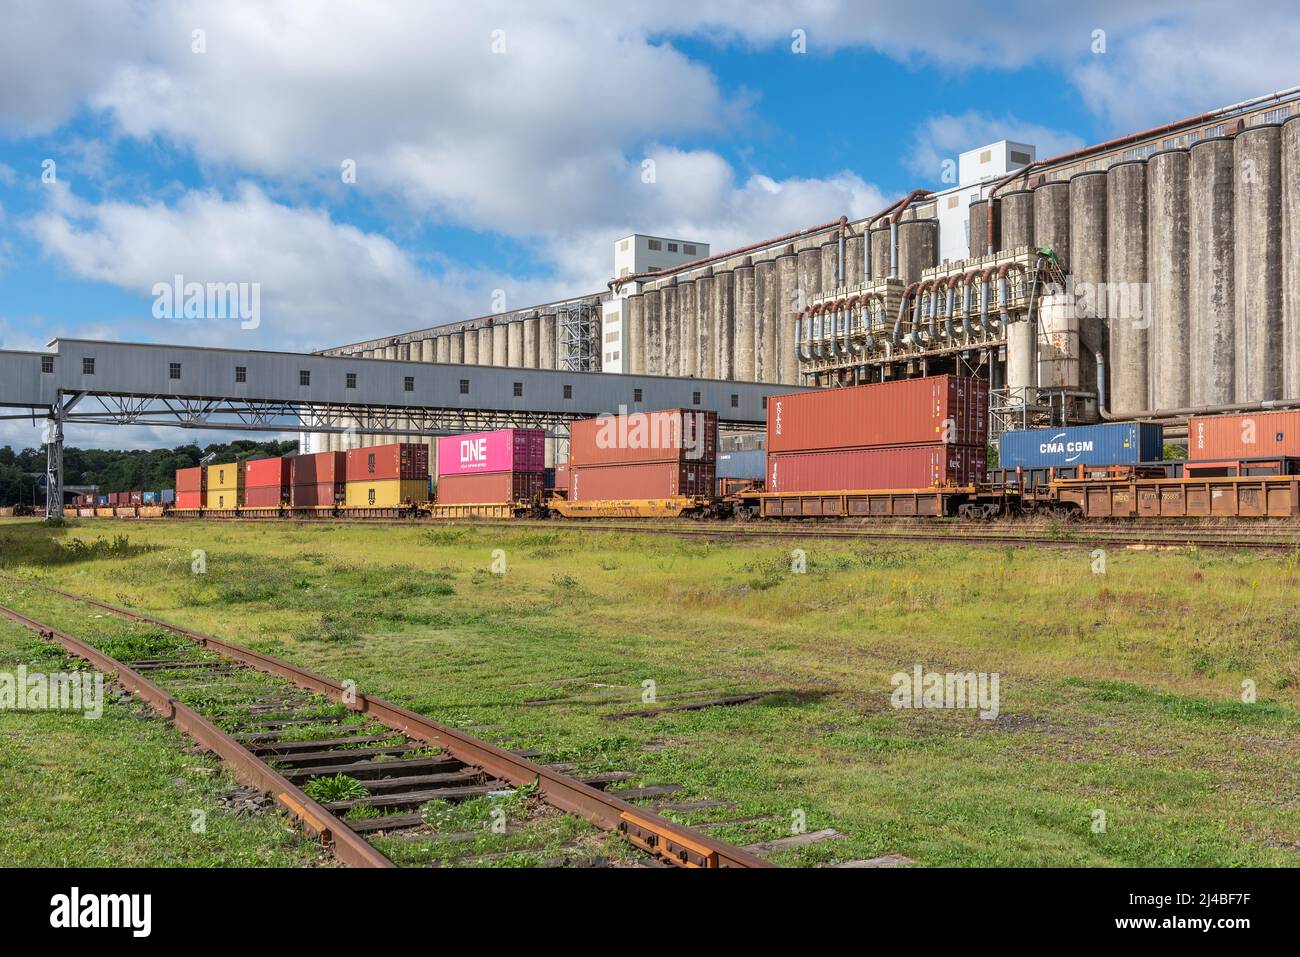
{"x":913,"y":448}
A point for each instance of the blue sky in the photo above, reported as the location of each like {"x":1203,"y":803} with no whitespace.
{"x":499,"y":146}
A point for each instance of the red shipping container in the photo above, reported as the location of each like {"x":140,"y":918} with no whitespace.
{"x":670,"y":435}
{"x":135,"y":498}
{"x":191,"y":480}
{"x":322,"y":495}
{"x":489,"y":488}
{"x":903,"y":467}
{"x":265,"y":496}
{"x":562,"y":477}
{"x":1247,"y":435}
{"x":504,"y":450}
{"x":320,"y":468}
{"x":401,"y":460}
{"x":944,"y":408}
{"x":266,"y":473}
{"x":640,"y":480}
{"x":186,"y":500}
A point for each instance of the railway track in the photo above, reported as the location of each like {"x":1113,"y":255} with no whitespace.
{"x":252,"y":710}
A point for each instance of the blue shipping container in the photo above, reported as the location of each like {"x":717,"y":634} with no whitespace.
{"x":1111,"y":443}
{"x":168,"y":496}
{"x":742,"y":465}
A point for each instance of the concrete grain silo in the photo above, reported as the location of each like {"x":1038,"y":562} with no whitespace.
{"x":745,"y":343}
{"x":978,"y":225}
{"x":470,"y":338}
{"x":787,"y":284}
{"x":879,"y":240}
{"x":705,"y":360}
{"x":918,"y":247}
{"x":1015,"y":211}
{"x":531,"y":325}
{"x":688,"y":350}
{"x":652,"y":352}
{"x":436,"y":350}
{"x":500,"y":345}
{"x":1213,"y":277}
{"x":1088,"y":271}
{"x":669,"y":324}
{"x":724,"y":326}
{"x":1290,"y":155}
{"x":456,"y":351}
{"x":485,"y":347}
{"x":1126,"y":313}
{"x":514,"y":344}
{"x":767,"y":295}
{"x":1257,"y":222}
{"x":853,"y":264}
{"x":1168,"y":270}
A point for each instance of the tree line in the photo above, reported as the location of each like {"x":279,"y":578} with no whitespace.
{"x":22,"y":473}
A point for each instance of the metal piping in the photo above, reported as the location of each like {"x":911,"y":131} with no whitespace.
{"x":951,"y":298}
{"x":902,"y":310}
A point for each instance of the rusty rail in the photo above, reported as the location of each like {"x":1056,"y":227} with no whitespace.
{"x":666,"y":839}
{"x":346,"y":845}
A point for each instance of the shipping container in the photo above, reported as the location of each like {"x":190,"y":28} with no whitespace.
{"x":101,"y":501}
{"x":150,"y":498}
{"x":641,"y":480}
{"x":265,"y":496}
{"x":901,"y":467}
{"x":189,"y":500}
{"x":223,"y":498}
{"x":227,"y":478}
{"x":267,"y":473}
{"x":1246,"y":435}
{"x":135,"y":498}
{"x":191,"y":480}
{"x":167,"y":496}
{"x":387,"y":493}
{"x":944,"y":408}
{"x":561,"y":477}
{"x":324,"y":495}
{"x":671,"y":435}
{"x":401,"y":460}
{"x":742,"y":465}
{"x":489,"y":488}
{"x":1111,"y":443}
{"x":504,"y":450}
{"x":320,"y":468}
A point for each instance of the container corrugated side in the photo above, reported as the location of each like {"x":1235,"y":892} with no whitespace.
{"x":667,"y":435}
{"x":227,"y":477}
{"x":321,"y":495}
{"x":489,"y":488}
{"x":1246,"y":435}
{"x":1109,"y":443}
{"x":641,"y":480}
{"x":387,"y":493}
{"x":223,"y":498}
{"x":502,"y":450}
{"x":902,"y":467}
{"x":742,"y":465}
{"x":943,"y":408}
{"x":319,"y":468}
{"x":189,"y":500}
{"x":264,"y":496}
{"x":401,"y":460}
{"x":266,"y":473}
{"x":191,"y":480}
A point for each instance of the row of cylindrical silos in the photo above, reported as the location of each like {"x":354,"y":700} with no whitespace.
{"x":735,"y":318}
{"x":530,"y":343}
{"x":1185,"y":268}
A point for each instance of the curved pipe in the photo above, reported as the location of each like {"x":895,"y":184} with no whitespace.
{"x":932,"y":327}
{"x":918,"y":308}
{"x":951,"y":296}
{"x":800,"y":341}
{"x":902,"y":311}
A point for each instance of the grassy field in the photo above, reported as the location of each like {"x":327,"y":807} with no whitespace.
{"x":1121,"y":693}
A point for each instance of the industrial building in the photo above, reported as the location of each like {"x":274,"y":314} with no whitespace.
{"x":1149,"y":276}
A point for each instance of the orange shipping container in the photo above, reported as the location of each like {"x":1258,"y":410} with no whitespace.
{"x":670,"y":435}
{"x":1246,"y":435}
{"x":377,"y":463}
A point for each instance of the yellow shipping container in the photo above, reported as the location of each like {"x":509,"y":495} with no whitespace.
{"x":225,"y":486}
{"x":388,"y":493}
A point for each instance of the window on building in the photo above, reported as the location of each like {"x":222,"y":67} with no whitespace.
{"x":986,"y":156}
{"x":352,"y":380}
{"x":695,"y":398}
{"x":953,"y":201}
{"x":636,"y":395}
{"x":611,"y":336}
{"x":519,"y":390}
{"x":622,"y":246}
{"x":1215,"y":131}
{"x":735,"y":401}
{"x":47,"y":363}
{"x":689,"y":249}
{"x":617,"y":355}
{"x":87,"y":366}
{"x":672,"y":247}
{"x":625,"y":271}
{"x":1019,"y":159}
{"x":568,"y":392}
{"x":173,"y":370}
{"x":408,"y":383}
{"x":304,"y":377}
{"x":764,"y":403}
{"x":656,"y":244}
{"x":241,"y":373}
{"x":464,"y":386}
{"x":1275,"y":116}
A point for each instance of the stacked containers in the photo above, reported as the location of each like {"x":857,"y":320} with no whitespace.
{"x":912,"y":433}
{"x":225,"y":486}
{"x":1247,"y":435}
{"x":190,"y":486}
{"x":135,"y":498}
{"x":266,"y":483}
{"x":318,"y":481}
{"x":387,"y":476}
{"x":643,"y":455}
{"x":168,"y":496}
{"x":1111,"y":443}
{"x":491,"y":467}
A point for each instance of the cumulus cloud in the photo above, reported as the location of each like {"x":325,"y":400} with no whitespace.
{"x":941,"y":138}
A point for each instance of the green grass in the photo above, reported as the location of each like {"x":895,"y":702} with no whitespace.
{"x":1120,"y":693}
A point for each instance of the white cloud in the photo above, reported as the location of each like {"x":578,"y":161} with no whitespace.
{"x":941,"y":138}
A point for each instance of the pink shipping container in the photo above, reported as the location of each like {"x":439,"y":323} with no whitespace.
{"x":1247,"y":435}
{"x":320,"y":468}
{"x":321,"y":495}
{"x":904,"y":467}
{"x":670,"y":435}
{"x":505,"y":450}
{"x":401,"y":460}
{"x":267,"y":473}
{"x":905,"y":412}
{"x":490,"y":488}
{"x":641,"y":480}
